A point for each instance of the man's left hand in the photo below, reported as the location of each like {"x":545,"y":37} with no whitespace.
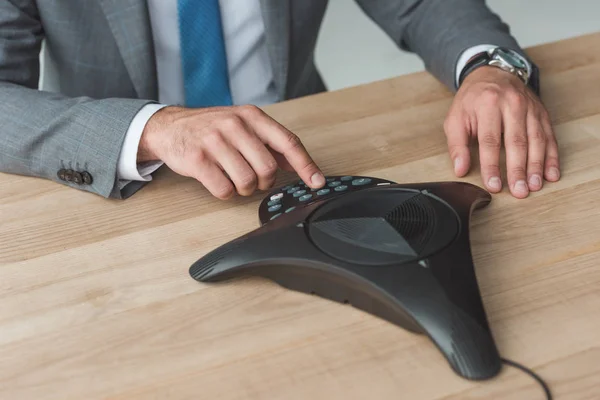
{"x":493,"y":106}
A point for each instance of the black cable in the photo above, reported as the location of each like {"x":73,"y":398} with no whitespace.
{"x":532,"y":374}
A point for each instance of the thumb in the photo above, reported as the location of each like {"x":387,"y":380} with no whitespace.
{"x":457,"y":137}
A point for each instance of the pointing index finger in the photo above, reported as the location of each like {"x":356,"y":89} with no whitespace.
{"x":289,"y":145}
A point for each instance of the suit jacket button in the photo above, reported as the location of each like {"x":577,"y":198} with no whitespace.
{"x":87,"y":178}
{"x":61,"y":174}
{"x":69,"y":175}
{"x":77,"y":178}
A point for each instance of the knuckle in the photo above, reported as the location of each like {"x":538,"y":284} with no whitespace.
{"x":491,"y":141}
{"x":536,"y":165}
{"x":552,"y":161}
{"x":247,"y":180}
{"x":293,"y":141}
{"x":232,"y":123}
{"x":199,"y":156}
{"x":491,"y":95}
{"x":224,"y":192}
{"x":268,"y":169}
{"x":516,"y":99}
{"x":537,"y":135}
{"x":519,"y":141}
{"x":250,"y":111}
{"x":213,"y":137}
{"x":491,"y":168}
{"x":518,"y":171}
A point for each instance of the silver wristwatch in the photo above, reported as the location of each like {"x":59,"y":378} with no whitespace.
{"x":499,"y":57}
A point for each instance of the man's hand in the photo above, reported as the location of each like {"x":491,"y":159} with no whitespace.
{"x":494,"y":106}
{"x":228,"y":149}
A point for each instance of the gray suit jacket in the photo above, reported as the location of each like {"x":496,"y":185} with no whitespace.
{"x":100,"y":70}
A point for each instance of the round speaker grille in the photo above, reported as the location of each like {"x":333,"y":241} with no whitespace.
{"x":383,"y":226}
{"x":415,"y":221}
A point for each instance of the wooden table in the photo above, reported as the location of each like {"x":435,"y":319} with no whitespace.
{"x":96,"y":301}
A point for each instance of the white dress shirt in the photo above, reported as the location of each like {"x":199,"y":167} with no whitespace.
{"x":250,"y":74}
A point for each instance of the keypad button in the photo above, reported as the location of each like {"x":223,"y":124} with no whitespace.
{"x":286,"y":188}
{"x":292,"y":190}
{"x":299,"y":193}
{"x":275,"y":216}
{"x":301,"y":183}
{"x":330,"y":179}
{"x":273,"y":202}
{"x":323,"y":192}
{"x":277,"y":196}
{"x":306,"y":197}
{"x":346,"y":178}
{"x":334,"y":183}
{"x":290,"y":209}
{"x":361,"y":181}
{"x":340,"y":188}
{"x":274,"y":208}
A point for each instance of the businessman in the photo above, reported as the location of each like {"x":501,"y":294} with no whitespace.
{"x":131,"y":85}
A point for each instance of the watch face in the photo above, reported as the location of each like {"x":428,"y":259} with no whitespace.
{"x":511,"y":58}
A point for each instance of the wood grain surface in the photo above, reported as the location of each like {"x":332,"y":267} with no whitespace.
{"x":96,"y":301}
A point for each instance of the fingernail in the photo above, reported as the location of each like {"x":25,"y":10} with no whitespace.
{"x":317,"y":179}
{"x":553,"y":173}
{"x":535,"y":181}
{"x":456,"y":164}
{"x":521,"y":187}
{"x":495,"y":183}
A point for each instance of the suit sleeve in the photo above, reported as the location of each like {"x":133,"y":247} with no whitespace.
{"x":44,"y":132}
{"x":440,"y":30}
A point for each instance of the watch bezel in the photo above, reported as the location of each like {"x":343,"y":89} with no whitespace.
{"x":498,"y":60}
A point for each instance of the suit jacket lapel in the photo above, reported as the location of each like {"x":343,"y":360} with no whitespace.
{"x":130,"y":24}
{"x":276,"y":16}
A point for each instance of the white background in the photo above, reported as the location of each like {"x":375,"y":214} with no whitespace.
{"x":352,"y":50}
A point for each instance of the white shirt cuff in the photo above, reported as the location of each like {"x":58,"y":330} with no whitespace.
{"x":128,"y":169}
{"x":470,"y":52}
{"x":466,"y":55}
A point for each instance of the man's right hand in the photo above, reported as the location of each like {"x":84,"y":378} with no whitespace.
{"x":227,"y":149}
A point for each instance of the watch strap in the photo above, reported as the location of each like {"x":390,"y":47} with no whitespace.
{"x":478,"y":60}
{"x":483,"y":58}
{"x":534,"y":78}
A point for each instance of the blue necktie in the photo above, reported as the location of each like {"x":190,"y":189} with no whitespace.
{"x":205,"y":75}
